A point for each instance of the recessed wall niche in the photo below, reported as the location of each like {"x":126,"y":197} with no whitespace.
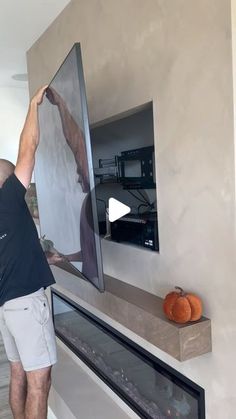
{"x":125,"y":169}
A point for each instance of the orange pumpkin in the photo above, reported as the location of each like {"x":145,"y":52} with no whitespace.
{"x":182,"y":307}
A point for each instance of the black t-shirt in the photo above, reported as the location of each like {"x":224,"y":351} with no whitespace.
{"x":23,"y":266}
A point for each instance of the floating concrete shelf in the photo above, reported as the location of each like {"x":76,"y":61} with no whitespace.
{"x":180,"y":341}
{"x":141,"y":312}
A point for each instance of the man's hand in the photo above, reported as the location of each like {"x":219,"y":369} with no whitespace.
{"x":38,"y":97}
{"x":54,"y":258}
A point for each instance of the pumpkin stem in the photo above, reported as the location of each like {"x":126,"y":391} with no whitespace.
{"x":182,"y":293}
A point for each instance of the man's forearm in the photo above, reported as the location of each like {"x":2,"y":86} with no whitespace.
{"x":29,"y":140}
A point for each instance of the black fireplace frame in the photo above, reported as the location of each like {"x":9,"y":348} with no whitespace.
{"x":177,"y":378}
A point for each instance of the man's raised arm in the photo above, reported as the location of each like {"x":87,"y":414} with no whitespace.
{"x":29,"y":140}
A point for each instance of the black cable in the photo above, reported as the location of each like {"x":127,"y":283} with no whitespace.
{"x":150,"y":205}
{"x":136,"y":197}
{"x":143,"y":196}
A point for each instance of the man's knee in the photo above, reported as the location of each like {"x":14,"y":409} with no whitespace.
{"x":39,"y":380}
{"x":17,"y":372}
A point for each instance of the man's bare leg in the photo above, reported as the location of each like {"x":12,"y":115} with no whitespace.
{"x":18,"y":390}
{"x":38,"y":386}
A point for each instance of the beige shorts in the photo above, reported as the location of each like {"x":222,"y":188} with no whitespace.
{"x":27,"y":331}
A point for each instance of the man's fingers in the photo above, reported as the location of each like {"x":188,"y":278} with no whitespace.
{"x":38,"y":97}
{"x":40,"y":94}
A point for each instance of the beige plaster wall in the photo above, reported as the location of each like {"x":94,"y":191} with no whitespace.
{"x":177,"y":53}
{"x":233,"y":23}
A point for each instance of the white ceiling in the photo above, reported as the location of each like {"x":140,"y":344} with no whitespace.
{"x":21,"y":24}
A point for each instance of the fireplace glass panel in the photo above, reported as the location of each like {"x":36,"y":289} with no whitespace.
{"x":151,"y":388}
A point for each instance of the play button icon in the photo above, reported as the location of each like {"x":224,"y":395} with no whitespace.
{"x":117,"y":209}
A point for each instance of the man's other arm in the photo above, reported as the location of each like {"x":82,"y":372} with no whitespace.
{"x":29,"y":140}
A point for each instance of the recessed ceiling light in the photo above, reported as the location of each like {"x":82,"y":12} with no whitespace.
{"x":20,"y":77}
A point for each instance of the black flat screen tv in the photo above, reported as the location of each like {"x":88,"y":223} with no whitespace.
{"x":64,"y":174}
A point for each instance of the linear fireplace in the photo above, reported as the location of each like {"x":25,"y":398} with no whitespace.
{"x":149,"y":386}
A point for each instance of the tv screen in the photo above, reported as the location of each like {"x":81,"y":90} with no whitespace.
{"x":64,"y":174}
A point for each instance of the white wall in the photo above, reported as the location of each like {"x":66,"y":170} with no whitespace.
{"x":13,"y":106}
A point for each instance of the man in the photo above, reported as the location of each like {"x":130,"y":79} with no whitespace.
{"x":25,"y":318}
